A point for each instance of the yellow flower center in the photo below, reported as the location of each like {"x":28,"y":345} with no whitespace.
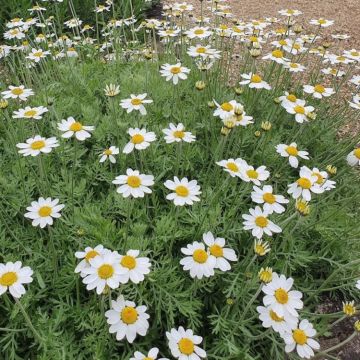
{"x":200,"y":256}
{"x":216,"y":250}
{"x":341,"y":58}
{"x":290,"y":12}
{"x":75,"y":126}
{"x":320,"y":178}
{"x":137,"y":139}
{"x":232,"y":167}
{"x":186,"y":346}
{"x":136,"y":101}
{"x":260,"y":249}
{"x":322,"y":21}
{"x":15,"y":20}
{"x":253,"y":39}
{"x":299,"y":109}
{"x":45,"y":211}
{"x":129,"y":315}
{"x":199,"y":32}
{"x":269,"y":198}
{"x":357,"y":153}
{"x":37,"y":145}
{"x":175,"y":70}
{"x":252,"y":174}
{"x":128,"y":261}
{"x":107,"y":152}
{"x":134,"y":181}
{"x":91,"y":254}
{"x":30,"y":113}
{"x":201,"y":50}
{"x":38,"y":53}
{"x":291,"y":97}
{"x":304,"y":183}
{"x":277,"y":54}
{"x":8,"y":279}
{"x":281,"y":296}
{"x":355,"y":53}
{"x":148,"y":358}
{"x":105,"y":271}
{"x":299,"y":337}
{"x":17,"y":91}
{"x":227,"y":107}
{"x":282,"y":42}
{"x":319,"y":89}
{"x":182,"y":190}
{"x":179,"y":134}
{"x":275,"y":317}
{"x":297,"y":46}
{"x":261,"y":221}
{"x":292,"y":150}
{"x":256,"y":79}
{"x":294,"y":65}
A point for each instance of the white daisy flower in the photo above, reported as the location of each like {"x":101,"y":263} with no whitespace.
{"x":151,"y":355}
{"x":217,"y":249}
{"x":288,"y":100}
{"x":337,"y":59}
{"x":14,"y":33}
{"x":136,"y":102}
{"x":86,"y":256}
{"x":43,"y":211}
{"x":278,"y":323}
{"x":305,"y":185}
{"x":177,"y":133}
{"x":254,"y":81}
{"x":318,"y":91}
{"x":352,"y":54}
{"x":280,"y":298}
{"x":277,"y":56}
{"x":71,"y":127}
{"x":184,"y":345}
{"x":174,"y":72}
{"x":289,"y":12}
{"x":353,"y":158}
{"x":134,"y":267}
{"x":134,"y":184}
{"x":355,"y":80}
{"x":112,"y":90}
{"x":301,"y":338}
{"x":271,"y":203}
{"x":357,"y":285}
{"x":37,"y":54}
{"x":127,"y":320}
{"x":294,"y":67}
{"x":355,"y":103}
{"x":322,"y":22}
{"x":198,"y":33}
{"x":333,"y":72}
{"x":227,"y":109}
{"x":17,"y":92}
{"x":233,"y":166}
{"x":185,"y":192}
{"x":291,"y":152}
{"x":37,"y":145}
{"x":12,"y":278}
{"x":300,"y":110}
{"x":140,"y":140}
{"x":323,"y":179}
{"x":249,"y":174}
{"x":109,"y":154}
{"x":198,"y":261}
{"x":204,"y":51}
{"x":104,"y":270}
{"x":30,"y":113}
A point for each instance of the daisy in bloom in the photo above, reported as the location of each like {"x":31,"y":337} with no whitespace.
{"x":37,"y":145}
{"x":185,"y":192}
{"x":198,"y":33}
{"x":333,"y":72}
{"x":288,"y":100}
{"x":205,"y":52}
{"x":140,"y":140}
{"x":177,"y":133}
{"x":136,"y":102}
{"x":109,"y":154}
{"x":337,"y":59}
{"x":357,"y":285}
{"x":14,"y":33}
{"x":222,"y":254}
{"x":233,"y":166}
{"x":352,"y":54}
{"x":151,"y":355}
{"x":291,"y":152}
{"x":71,"y":127}
{"x":259,"y":224}
{"x":353,"y":158}
{"x":322,"y":179}
{"x":355,"y":80}
{"x":300,"y":110}
{"x":198,"y":261}
{"x":349,"y":308}
{"x":289,"y":12}
{"x":86,"y":256}
{"x":127,"y":320}
{"x":133,"y":267}
{"x":30,"y":113}
{"x":254,"y":81}
{"x":134,"y":184}
{"x":269,"y":319}
{"x":104,"y":270}
{"x":318,"y":91}
{"x":43,"y":211}
{"x":277,"y":56}
{"x":294,"y":67}
{"x":184,"y":345}
{"x":112,"y":90}
{"x":37,"y":54}
{"x":227,"y":109}
{"x":12,"y":278}
{"x":17,"y":92}
{"x":280,"y":298}
{"x":322,"y":22}
{"x":305,"y":185}
{"x":261,"y":248}
{"x":174,"y":72}
{"x":249,"y":174}
{"x":301,"y":338}
{"x":355,"y":103}
{"x":271,"y":203}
